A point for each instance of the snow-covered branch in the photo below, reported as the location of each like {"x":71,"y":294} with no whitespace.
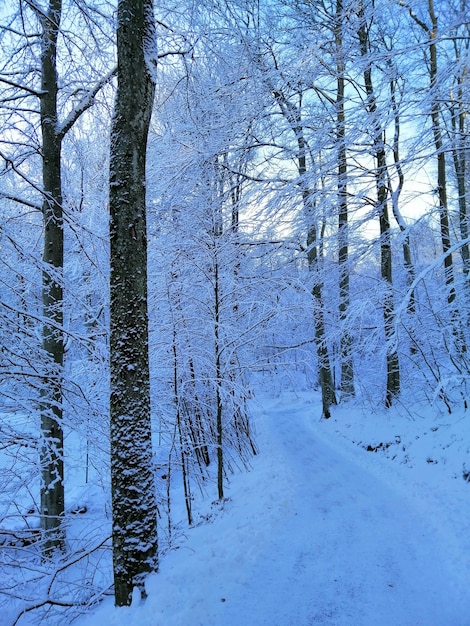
{"x":85,"y":103}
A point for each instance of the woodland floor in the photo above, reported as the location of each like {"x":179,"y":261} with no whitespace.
{"x":322,"y":531}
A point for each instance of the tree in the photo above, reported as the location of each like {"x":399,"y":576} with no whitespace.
{"x":381,"y":181}
{"x":291,"y":95}
{"x":37,"y":33}
{"x":457,"y":129}
{"x":431,"y":31}
{"x":132,"y":482}
{"x":347,"y":369}
{"x":52,"y":449}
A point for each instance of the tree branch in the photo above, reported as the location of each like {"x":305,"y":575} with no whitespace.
{"x":33,"y":92}
{"x":32,"y":205}
{"x":9,"y":163}
{"x":414,"y":17}
{"x":85,"y":103}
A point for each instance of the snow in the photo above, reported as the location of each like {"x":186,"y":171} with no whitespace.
{"x":323,"y":531}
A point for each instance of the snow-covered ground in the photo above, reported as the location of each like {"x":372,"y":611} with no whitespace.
{"x":361,"y":520}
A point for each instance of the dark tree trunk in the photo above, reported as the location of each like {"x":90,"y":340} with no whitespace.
{"x":407,"y":260}
{"x":460,"y":149}
{"x":218,"y":383}
{"x":324,"y":367}
{"x":313,"y":257}
{"x":292,"y":113}
{"x":432,"y":33}
{"x":132,"y":481}
{"x":347,"y":369}
{"x":381,"y":181}
{"x":52,"y":446}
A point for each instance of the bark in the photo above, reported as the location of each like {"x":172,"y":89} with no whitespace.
{"x":132,"y":483}
{"x":52,"y":446}
{"x":324,"y":368}
{"x":179,"y":424}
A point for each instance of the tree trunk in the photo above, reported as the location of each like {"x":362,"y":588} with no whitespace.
{"x":313,"y":257}
{"x":347,"y":369}
{"x":132,"y":482}
{"x":381,"y":180}
{"x":52,"y":445}
{"x":460,"y":148}
{"x":324,"y":368}
{"x":441,"y":160}
{"x":218,"y":382}
{"x":292,"y":113}
{"x":432,"y":33}
{"x":459,"y":337}
{"x":407,"y":260}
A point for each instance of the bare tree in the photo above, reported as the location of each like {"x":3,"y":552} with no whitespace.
{"x":347,"y":369}
{"x":38,"y":29}
{"x":381,"y":181}
{"x":431,"y":31}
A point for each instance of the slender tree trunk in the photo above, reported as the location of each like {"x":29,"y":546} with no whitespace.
{"x":292,"y":113}
{"x":132,"y":482}
{"x":179,"y":424}
{"x":195,"y":422}
{"x":460,"y":167}
{"x":459,"y":156}
{"x":324,"y":368}
{"x":347,"y":369}
{"x":432,"y":33}
{"x":441,"y":160}
{"x":407,"y":260}
{"x":381,"y":180}
{"x":459,"y":337}
{"x":313,"y":257}
{"x":218,"y":382}
{"x":52,"y":446}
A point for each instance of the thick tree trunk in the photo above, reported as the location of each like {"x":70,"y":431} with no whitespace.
{"x":132,"y":481}
{"x":52,"y":446}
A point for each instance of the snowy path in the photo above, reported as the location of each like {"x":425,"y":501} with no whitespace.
{"x":308,"y":538}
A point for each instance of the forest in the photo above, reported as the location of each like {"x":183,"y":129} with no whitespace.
{"x":201,"y":202}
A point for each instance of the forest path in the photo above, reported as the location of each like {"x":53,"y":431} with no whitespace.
{"x":342,"y":547}
{"x":308,"y":537}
